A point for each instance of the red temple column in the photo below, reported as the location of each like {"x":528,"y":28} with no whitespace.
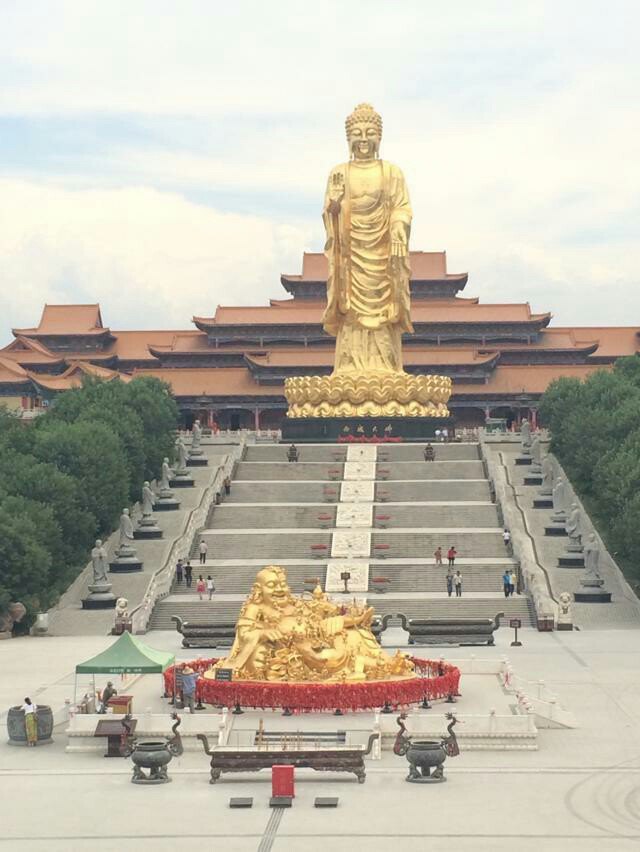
{"x":256,"y":419}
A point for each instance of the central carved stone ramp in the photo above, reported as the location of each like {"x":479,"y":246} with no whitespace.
{"x":294,"y":513}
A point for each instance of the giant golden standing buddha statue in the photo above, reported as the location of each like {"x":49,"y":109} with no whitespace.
{"x":367,"y":217}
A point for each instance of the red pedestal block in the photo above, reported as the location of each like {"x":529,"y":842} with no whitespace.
{"x":282,"y":781}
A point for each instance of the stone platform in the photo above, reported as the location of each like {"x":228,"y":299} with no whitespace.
{"x":331,"y":429}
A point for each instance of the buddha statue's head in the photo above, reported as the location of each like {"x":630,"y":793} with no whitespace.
{"x":364,"y":132}
{"x":271,"y":586}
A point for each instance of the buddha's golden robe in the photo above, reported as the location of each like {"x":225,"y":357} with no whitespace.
{"x":367,"y":289}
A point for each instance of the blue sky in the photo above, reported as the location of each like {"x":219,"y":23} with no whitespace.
{"x":165,"y":157}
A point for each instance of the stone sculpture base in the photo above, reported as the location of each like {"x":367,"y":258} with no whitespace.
{"x":100,"y":597}
{"x":143,"y":533}
{"x":197,"y":461}
{"x":185,"y":481}
{"x":125,"y":565}
{"x":328,"y":430}
{"x":593,"y":595}
{"x":147,"y":528}
{"x":533,"y":480}
{"x":542,"y":503}
{"x":166,"y":504}
{"x":571,"y":560}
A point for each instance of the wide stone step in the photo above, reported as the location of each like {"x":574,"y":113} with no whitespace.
{"x":424,"y":607}
{"x":279,"y":492}
{"x":406,"y":492}
{"x":285,"y":471}
{"x":272,"y":545}
{"x":237,"y":580}
{"x":430,"y":470}
{"x":237,"y":516}
{"x":395,"y":452}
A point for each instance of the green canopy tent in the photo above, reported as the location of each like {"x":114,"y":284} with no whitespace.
{"x":127,"y":655}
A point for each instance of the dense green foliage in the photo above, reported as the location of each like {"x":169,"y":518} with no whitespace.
{"x":65,"y":478}
{"x":595,"y":434}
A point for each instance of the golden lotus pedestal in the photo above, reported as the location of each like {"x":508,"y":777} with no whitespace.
{"x":351,"y":406}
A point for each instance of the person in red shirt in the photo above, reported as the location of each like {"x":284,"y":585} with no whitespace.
{"x":451,"y":555}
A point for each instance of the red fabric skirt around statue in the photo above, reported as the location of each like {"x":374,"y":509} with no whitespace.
{"x":433,"y":680}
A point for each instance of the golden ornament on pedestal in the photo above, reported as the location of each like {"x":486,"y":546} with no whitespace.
{"x":367,"y":217}
{"x":280,"y":637}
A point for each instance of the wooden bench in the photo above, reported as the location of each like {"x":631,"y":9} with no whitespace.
{"x":201,"y":634}
{"x":451,"y":631}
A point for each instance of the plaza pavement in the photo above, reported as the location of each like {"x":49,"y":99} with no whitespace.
{"x":579,"y":791}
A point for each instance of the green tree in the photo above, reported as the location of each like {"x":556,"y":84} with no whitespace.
{"x":93,"y":455}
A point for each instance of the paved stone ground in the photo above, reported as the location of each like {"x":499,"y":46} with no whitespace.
{"x":580,"y":791}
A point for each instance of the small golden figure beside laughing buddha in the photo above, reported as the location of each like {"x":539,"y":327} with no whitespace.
{"x":280,"y":637}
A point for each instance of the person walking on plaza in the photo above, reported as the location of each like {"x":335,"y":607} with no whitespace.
{"x":457,"y":582}
{"x":179,"y":569}
{"x":449,"y":582}
{"x":189,"y":680}
{"x":200,"y":586}
{"x":227,"y":485}
{"x":429,"y":453}
{"x":203,"y":551}
{"x":30,"y":721}
{"x":513,"y":584}
{"x":188,"y":573}
{"x":438,"y":555}
{"x":451,"y":555}
{"x":506,"y":582}
{"x":210,"y":586}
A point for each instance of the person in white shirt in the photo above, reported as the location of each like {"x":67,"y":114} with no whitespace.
{"x":210,"y":586}
{"x":30,"y":721}
{"x":506,"y":537}
{"x":203,"y":551}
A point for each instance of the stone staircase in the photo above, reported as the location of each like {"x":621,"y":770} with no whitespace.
{"x":272,"y":516}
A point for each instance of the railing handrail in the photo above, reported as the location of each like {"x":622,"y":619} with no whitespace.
{"x":159,"y":584}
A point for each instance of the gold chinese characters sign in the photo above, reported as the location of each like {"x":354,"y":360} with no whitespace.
{"x":280,"y":637}
{"x":367,"y":217}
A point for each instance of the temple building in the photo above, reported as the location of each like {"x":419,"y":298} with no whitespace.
{"x":229,"y":370}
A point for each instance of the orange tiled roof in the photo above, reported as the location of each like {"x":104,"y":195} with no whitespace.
{"x":525,"y":379}
{"x":445,"y":311}
{"x":67,"y":320}
{"x":425,"y":266}
{"x":12,"y":373}
{"x":72,"y":377}
{"x":224,"y":381}
{"x":22,"y":350}
{"x":612,"y":342}
{"x":414,"y":356}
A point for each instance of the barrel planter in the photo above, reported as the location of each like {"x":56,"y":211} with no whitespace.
{"x":16,"y":729}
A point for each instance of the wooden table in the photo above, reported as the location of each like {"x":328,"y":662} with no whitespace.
{"x":112,"y":729}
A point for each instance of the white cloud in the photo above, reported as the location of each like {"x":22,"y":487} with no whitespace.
{"x":515,"y":125}
{"x":152,"y":259}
